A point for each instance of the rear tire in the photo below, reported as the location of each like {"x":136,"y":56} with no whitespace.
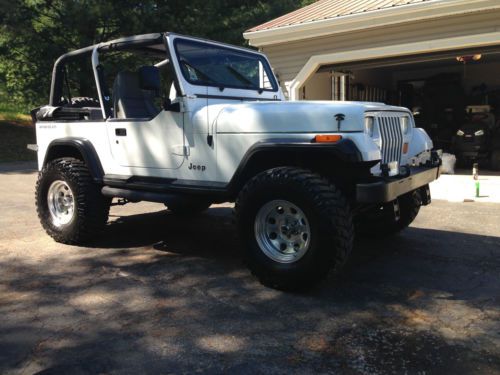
{"x":381,"y":221}
{"x":69,"y":204}
{"x":275,"y":210}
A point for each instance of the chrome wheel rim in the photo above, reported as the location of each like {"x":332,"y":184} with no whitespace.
{"x":282,"y":231}
{"x":61,"y":203}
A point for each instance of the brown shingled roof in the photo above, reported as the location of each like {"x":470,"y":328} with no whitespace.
{"x":325,"y":9}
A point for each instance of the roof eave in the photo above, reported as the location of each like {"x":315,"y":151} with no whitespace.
{"x":372,"y":19}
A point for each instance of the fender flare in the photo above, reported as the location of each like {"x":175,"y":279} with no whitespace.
{"x":84,"y":147}
{"x":345,"y":151}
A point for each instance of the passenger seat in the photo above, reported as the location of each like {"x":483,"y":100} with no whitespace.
{"x":134,"y":93}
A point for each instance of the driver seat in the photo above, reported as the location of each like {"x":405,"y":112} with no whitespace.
{"x":134,"y":93}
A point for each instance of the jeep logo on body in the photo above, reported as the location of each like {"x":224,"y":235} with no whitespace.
{"x":197,"y":167}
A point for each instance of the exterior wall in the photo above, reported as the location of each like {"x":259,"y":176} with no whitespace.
{"x":288,"y":58}
{"x":318,"y":87}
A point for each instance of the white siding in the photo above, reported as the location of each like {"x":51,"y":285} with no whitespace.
{"x":318,"y":87}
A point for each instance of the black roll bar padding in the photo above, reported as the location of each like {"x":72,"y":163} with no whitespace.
{"x":58,"y":73}
{"x":131,"y":42}
{"x":113,"y":45}
{"x":104,"y":90}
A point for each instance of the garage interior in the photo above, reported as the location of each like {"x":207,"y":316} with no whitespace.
{"x":454,"y":96}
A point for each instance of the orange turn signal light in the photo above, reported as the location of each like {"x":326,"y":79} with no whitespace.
{"x":327,"y":138}
{"x":405,"y":148}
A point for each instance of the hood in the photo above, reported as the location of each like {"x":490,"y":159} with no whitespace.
{"x":293,"y":117}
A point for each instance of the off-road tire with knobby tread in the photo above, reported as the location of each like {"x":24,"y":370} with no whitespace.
{"x":83,"y":101}
{"x":329,"y":216}
{"x":91,"y":207}
{"x":381,"y":221}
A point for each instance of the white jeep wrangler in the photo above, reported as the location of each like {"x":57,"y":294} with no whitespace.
{"x":207,"y":123}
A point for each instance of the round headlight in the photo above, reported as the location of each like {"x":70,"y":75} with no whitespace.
{"x":405,"y":125}
{"x":369,"y":124}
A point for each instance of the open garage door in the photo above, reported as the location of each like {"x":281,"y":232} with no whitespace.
{"x":454,"y":95}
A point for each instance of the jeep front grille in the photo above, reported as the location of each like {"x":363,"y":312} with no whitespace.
{"x":391,"y":136}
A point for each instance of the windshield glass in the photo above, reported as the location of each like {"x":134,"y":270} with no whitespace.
{"x":210,"y":65}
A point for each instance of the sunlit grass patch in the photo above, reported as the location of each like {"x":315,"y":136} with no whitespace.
{"x":14,"y":114}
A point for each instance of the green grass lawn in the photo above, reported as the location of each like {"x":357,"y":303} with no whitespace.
{"x":12,"y":113}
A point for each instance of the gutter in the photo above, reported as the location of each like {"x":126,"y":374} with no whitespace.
{"x":371,"y":19}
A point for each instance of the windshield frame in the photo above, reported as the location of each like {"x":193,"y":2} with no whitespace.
{"x":260,"y":57}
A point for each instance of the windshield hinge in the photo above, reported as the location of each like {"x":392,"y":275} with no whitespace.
{"x":182,"y":106}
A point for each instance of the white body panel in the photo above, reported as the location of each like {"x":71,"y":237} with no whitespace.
{"x":236,"y":146}
{"x":155,"y":148}
{"x":289,"y":117}
{"x":156,"y":144}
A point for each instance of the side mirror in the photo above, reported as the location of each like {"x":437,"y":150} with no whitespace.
{"x":172,"y":107}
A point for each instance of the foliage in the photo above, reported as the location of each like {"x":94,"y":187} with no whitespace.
{"x":15,"y":113}
{"x":33,"y":33}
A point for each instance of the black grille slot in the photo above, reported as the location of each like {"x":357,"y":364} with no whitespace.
{"x":391,"y":136}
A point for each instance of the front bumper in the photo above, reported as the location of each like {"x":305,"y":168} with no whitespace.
{"x":388,"y":189}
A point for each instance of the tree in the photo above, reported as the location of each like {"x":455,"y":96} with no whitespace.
{"x":35,"y":32}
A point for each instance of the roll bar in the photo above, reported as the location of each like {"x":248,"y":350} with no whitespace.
{"x":125,"y":43}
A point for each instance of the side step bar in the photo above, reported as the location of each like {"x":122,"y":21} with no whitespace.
{"x":136,"y":195}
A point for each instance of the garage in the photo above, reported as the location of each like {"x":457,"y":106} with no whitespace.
{"x":454,"y":96}
{"x":439,"y":58}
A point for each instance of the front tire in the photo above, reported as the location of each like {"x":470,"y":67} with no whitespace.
{"x":381,"y":221}
{"x":69,"y":204}
{"x":295,"y":227}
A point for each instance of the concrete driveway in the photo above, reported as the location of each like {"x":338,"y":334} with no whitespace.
{"x":164,"y":294}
